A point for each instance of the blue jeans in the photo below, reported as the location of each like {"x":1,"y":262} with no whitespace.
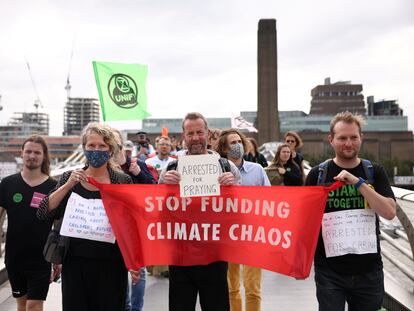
{"x":135,"y":293}
{"x":361,"y":292}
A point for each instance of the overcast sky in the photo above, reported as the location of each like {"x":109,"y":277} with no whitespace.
{"x":202,"y":55}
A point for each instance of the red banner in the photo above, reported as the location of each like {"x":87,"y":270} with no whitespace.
{"x":275,"y":228}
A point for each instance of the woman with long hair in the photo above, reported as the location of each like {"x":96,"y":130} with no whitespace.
{"x":94,"y":276}
{"x":295,"y":142}
{"x":283,"y":170}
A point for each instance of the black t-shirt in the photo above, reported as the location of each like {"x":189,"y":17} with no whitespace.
{"x":26,"y":234}
{"x":351,"y":199}
{"x":298,"y":159}
{"x":293,"y":176}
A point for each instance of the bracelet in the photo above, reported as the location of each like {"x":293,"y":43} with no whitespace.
{"x":360,"y":182}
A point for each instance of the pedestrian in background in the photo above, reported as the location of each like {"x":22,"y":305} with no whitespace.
{"x":162,"y":157}
{"x":253,"y":154}
{"x":143,"y":147}
{"x":283,"y":170}
{"x":213,"y":138}
{"x":295,"y":142}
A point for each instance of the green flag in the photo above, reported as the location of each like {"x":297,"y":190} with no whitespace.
{"x":121,"y":90}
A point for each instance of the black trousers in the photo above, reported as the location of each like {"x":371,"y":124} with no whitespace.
{"x":90,"y":284}
{"x":209,"y":281}
{"x":363,"y":292}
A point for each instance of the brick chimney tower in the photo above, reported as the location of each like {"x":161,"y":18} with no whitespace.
{"x":267,"y":105}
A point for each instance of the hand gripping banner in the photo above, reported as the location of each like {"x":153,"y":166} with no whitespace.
{"x":274,"y":228}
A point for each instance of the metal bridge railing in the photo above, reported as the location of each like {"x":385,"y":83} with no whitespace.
{"x":398,"y":251}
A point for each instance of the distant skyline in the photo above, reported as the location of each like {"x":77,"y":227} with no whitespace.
{"x":202,"y":56}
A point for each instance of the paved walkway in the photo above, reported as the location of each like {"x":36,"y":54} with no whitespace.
{"x":278,"y":293}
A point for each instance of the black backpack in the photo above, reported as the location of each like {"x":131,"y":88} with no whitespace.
{"x":368,"y":169}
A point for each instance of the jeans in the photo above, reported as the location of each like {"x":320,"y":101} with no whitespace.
{"x":252,"y":277}
{"x":363,"y":292}
{"x":135,"y":293}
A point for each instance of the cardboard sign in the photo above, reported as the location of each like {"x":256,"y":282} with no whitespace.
{"x":86,"y":219}
{"x":349,"y":232}
{"x":199,"y":175}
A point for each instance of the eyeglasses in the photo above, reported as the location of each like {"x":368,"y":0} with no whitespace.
{"x":290,"y":141}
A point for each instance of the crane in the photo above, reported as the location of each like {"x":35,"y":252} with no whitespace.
{"x":38,"y":102}
{"x":68,"y":86}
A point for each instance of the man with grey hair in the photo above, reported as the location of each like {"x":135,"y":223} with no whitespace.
{"x":209,"y":281}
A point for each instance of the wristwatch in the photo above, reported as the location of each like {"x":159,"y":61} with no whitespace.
{"x":359,"y":183}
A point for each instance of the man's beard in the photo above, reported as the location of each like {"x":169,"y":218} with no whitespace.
{"x":348,"y":156}
{"x":164,"y":154}
{"x":198,"y":148}
{"x":32,"y":166}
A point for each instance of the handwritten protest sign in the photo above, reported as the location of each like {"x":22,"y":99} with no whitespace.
{"x":349,"y":232}
{"x":86,"y":219}
{"x":199,"y":175}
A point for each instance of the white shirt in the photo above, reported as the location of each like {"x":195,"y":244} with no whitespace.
{"x":158,"y":163}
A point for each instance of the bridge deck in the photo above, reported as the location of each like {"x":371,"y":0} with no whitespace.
{"x":278,"y":293}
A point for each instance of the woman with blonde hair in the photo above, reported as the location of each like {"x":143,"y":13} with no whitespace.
{"x":94,"y":276}
{"x":283,"y":170}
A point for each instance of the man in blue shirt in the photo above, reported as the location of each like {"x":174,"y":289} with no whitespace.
{"x":232,"y":145}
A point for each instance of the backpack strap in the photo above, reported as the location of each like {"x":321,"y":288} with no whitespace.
{"x":369,"y":170}
{"x":172,"y":166}
{"x":323,"y":171}
{"x":225,"y":165}
{"x":366,"y":164}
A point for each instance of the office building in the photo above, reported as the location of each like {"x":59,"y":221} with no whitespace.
{"x":383,"y":107}
{"x":78,"y":112}
{"x":331,"y":98}
{"x":24,"y":124}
